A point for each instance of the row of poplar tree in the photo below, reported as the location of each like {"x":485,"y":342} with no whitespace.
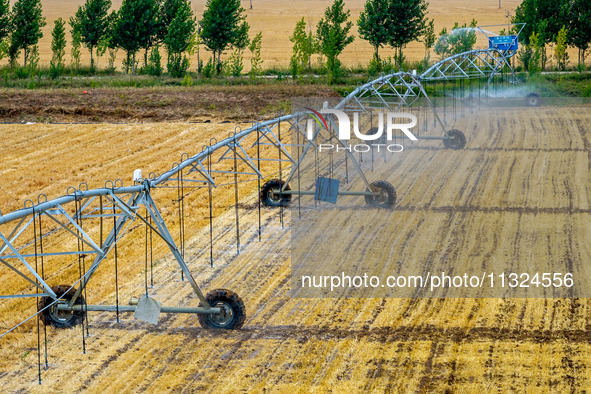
{"x":560,"y":23}
{"x":396,"y":23}
{"x":141,"y":27}
{"x":393,"y":23}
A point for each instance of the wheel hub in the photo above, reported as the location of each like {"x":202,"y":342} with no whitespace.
{"x":225,"y":317}
{"x":379,"y":195}
{"x":275,"y":194}
{"x":60,"y":314}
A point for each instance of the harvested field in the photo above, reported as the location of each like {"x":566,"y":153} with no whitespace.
{"x":510,"y":195}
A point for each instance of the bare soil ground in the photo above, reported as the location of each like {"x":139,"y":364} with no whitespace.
{"x":201,"y":103}
{"x":509,"y":195}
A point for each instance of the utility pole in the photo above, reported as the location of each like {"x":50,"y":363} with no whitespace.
{"x":251,"y":4}
{"x":508,"y":16}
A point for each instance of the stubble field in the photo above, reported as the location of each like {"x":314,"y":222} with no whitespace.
{"x":519,"y":191}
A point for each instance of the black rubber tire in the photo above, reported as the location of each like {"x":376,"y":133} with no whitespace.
{"x":533,"y":100}
{"x":61,"y":319}
{"x":387,"y":197}
{"x":457,"y":141}
{"x":232,"y":303}
{"x":269,"y":192}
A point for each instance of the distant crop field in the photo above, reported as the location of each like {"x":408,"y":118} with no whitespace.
{"x":471,"y":204}
{"x":276,"y":19}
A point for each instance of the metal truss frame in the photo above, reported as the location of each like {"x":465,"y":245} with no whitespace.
{"x":125,"y":203}
{"x":401,"y":89}
{"x":390,"y":92}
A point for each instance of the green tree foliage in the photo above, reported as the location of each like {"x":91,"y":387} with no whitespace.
{"x":223,"y":25}
{"x":392,"y":22}
{"x":4,"y":19}
{"x":460,"y":39}
{"x":76,"y":42}
{"x":311,"y":47}
{"x":256,"y":62}
{"x":376,"y":24}
{"x":429,"y":38}
{"x":151,"y":25}
{"x":304,"y":46}
{"x":409,"y":20}
{"x":560,"y":49}
{"x":530,"y":54}
{"x":235,"y":63}
{"x":92,"y":22}
{"x":25,"y":25}
{"x":178,"y":38}
{"x":209,"y":68}
{"x":168,"y":10}
{"x":181,"y":29}
{"x":58,"y":47}
{"x":536,"y":12}
{"x":155,"y":62}
{"x":442,"y":44}
{"x":194,"y":46}
{"x":4,"y":27}
{"x":135,"y":28}
{"x":545,"y":17}
{"x":578,"y":22}
{"x":536,"y":57}
{"x":33,"y":59}
{"x":333,"y":36}
{"x":109,"y":43}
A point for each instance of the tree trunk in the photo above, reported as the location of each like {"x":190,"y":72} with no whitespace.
{"x":127,"y":63}
{"x":146,"y":58}
{"x":26,"y":53}
{"x":218,"y":63}
{"x":91,"y":58}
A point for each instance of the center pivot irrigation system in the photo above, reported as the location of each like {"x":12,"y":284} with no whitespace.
{"x":95,"y":220}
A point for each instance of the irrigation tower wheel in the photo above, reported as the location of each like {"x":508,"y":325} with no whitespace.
{"x":455,"y":140}
{"x":533,"y":100}
{"x":271,"y":194}
{"x":387,"y":197}
{"x":59,"y":318}
{"x":234,"y":311}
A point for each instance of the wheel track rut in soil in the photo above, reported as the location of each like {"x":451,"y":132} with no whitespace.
{"x":382,"y":334}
